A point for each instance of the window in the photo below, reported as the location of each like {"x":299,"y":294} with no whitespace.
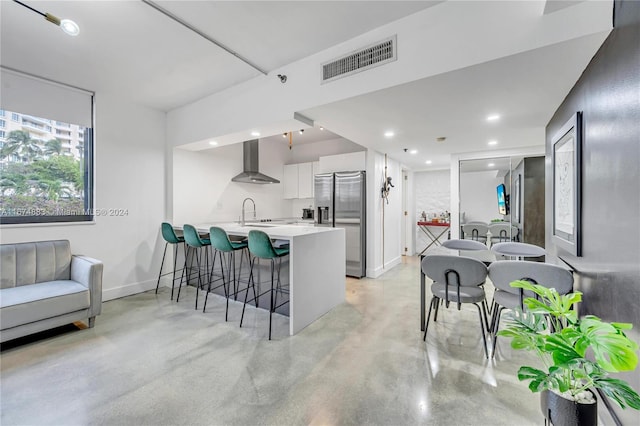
{"x":3,"y":124}
{"x":1,"y":113}
{"x":42,"y":180}
{"x":15,"y":117}
{"x":1,"y":134}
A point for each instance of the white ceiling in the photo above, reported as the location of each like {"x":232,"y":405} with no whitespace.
{"x":130,"y":50}
{"x":524,"y":89}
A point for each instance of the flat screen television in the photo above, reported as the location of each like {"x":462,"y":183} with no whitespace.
{"x":503,"y":200}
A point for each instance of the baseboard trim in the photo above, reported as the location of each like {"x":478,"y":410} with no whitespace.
{"x":128,"y":289}
{"x":375,"y":273}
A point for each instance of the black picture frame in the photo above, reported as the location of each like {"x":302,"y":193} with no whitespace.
{"x":517,"y":188}
{"x":567,"y":186}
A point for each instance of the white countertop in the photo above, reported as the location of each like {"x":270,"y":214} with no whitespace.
{"x":284,"y":232}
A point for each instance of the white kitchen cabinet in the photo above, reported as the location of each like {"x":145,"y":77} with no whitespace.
{"x":298,"y":180}
{"x":305,"y":180}
{"x":315,"y":170}
{"x":290,"y":181}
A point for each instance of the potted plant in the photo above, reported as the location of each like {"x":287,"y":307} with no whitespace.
{"x":578,"y":354}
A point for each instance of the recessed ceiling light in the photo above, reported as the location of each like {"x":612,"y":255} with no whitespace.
{"x":213,"y":143}
{"x":493,"y":117}
{"x":441,"y":139}
{"x":413,"y":151}
{"x":70,"y":27}
{"x":491,"y":143}
{"x":490,"y":165}
{"x":255,"y":133}
{"x":321,"y":128}
{"x":428,"y":162}
{"x":388,"y":134}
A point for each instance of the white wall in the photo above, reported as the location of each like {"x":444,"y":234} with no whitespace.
{"x":478,"y":198}
{"x":203,"y":190}
{"x":432,"y":196}
{"x":384,"y":224}
{"x":130,"y":174}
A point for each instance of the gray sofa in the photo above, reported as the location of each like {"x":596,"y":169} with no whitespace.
{"x":43,"y":286}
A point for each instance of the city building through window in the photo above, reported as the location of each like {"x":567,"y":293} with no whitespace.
{"x":46,"y":152}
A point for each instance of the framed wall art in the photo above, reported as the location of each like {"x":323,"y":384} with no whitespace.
{"x":566,"y":150}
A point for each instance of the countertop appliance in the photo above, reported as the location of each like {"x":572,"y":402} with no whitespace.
{"x":307,"y":213}
{"x":340,"y":201}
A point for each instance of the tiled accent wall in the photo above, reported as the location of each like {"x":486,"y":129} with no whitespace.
{"x":432,"y":195}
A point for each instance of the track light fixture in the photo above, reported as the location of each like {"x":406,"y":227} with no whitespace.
{"x":67,"y":25}
{"x":283,"y":78}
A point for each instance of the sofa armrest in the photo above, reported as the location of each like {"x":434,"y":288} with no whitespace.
{"x":88,"y":272}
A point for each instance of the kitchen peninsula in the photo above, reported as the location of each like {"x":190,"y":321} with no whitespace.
{"x":316,"y":267}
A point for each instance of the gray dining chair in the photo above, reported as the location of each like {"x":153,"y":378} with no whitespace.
{"x":518,"y":250}
{"x":504,"y":272}
{"x":475,"y":231}
{"x":470,"y":245}
{"x":503,"y":232}
{"x":456,"y":279}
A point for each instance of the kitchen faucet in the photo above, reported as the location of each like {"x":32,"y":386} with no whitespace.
{"x":254,"y":209}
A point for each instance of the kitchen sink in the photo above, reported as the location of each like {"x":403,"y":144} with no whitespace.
{"x":253,"y":225}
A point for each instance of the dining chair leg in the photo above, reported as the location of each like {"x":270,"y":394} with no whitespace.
{"x":249,"y":282}
{"x":211,"y":279}
{"x":485,"y":306}
{"x":482,"y":321}
{"x":161,"y":265}
{"x":437,"y":306}
{"x":495,"y":331}
{"x":434,"y":300}
{"x":236,"y":285}
{"x":272,"y":308}
{"x":228,"y":283}
{"x":199,"y":285}
{"x":186,"y":273}
{"x":175,"y":264}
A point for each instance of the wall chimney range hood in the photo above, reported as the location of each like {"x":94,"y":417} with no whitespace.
{"x":250,"y":173}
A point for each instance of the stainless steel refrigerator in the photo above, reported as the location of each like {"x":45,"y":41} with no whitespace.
{"x":340,"y":202}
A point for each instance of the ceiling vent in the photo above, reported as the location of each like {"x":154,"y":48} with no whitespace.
{"x":363,"y":59}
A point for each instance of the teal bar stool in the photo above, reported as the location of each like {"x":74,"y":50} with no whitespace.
{"x":226,"y":248}
{"x":170,"y":237}
{"x":260,"y":247}
{"x":196,"y":244}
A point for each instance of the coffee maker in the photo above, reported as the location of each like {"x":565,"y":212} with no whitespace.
{"x":307,"y":213}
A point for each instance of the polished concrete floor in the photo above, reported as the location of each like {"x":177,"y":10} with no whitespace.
{"x":150,"y":361}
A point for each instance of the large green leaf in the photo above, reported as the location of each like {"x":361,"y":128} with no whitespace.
{"x":611,"y":348}
{"x":619,"y":391}
{"x":561,"y":350}
{"x":539,"y":379}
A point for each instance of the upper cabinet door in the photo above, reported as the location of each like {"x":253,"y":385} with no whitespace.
{"x":290,"y":181}
{"x":305,"y":180}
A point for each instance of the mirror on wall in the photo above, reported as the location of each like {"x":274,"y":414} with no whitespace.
{"x":502,"y":198}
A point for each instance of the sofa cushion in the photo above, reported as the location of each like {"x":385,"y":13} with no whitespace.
{"x":25,"y":304}
{"x":29,"y":263}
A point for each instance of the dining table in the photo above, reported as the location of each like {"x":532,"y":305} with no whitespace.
{"x":485,"y":256}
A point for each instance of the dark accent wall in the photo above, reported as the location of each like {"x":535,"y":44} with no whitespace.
{"x":608,"y":93}
{"x":533,"y":201}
